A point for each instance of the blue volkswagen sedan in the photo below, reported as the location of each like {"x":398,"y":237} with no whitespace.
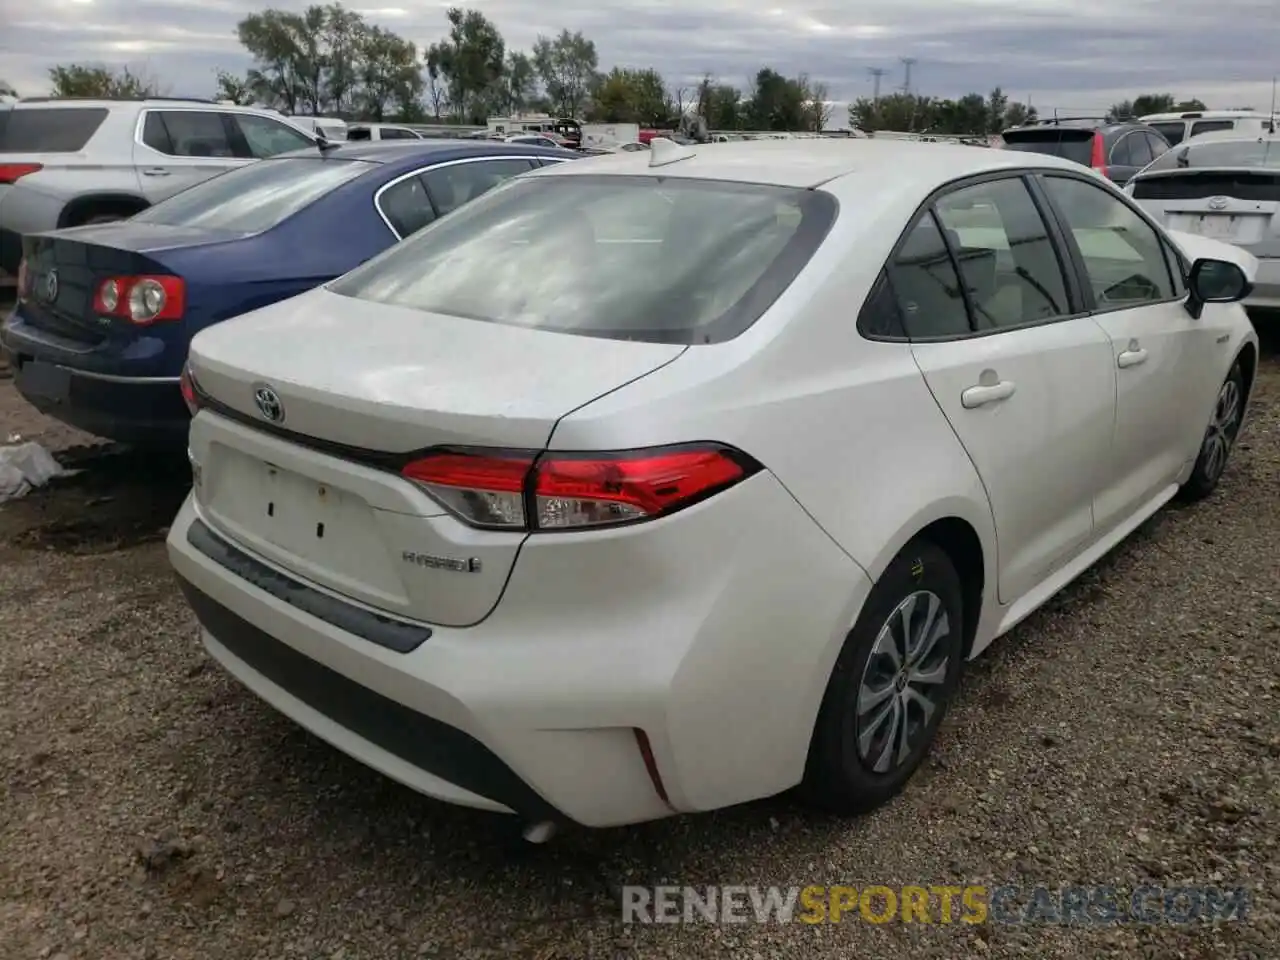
{"x":105,"y":312}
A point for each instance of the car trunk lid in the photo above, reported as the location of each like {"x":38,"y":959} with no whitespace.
{"x":317,"y":402}
{"x":65,"y":267}
{"x":1237,"y":206}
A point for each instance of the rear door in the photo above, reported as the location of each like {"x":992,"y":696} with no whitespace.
{"x":43,"y":143}
{"x":1023,"y":377}
{"x":181,"y":147}
{"x":1160,"y":355}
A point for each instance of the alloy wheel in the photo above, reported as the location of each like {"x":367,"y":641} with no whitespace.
{"x":903,"y":681}
{"x":1222,"y":430}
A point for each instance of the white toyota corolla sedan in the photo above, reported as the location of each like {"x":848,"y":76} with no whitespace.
{"x":668,"y":480}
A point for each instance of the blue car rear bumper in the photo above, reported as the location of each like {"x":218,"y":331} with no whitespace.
{"x":145,"y":411}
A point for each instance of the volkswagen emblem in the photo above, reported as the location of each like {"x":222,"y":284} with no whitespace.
{"x":1218,"y":203}
{"x":51,"y":286}
{"x":268,"y":403}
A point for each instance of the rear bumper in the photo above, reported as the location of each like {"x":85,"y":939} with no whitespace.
{"x":145,"y":412}
{"x":1266,"y":286}
{"x":715,"y":638}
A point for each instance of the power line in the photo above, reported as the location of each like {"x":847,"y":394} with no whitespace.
{"x":876,"y":74}
{"x":907,"y":64}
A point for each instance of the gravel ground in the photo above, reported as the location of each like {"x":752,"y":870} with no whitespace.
{"x":151,"y":807}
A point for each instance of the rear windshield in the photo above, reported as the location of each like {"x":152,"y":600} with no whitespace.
{"x":255,"y":197}
{"x":1172,"y":131}
{"x":1219,"y":154}
{"x":50,"y":130}
{"x":1074,"y":145}
{"x":626,"y":258}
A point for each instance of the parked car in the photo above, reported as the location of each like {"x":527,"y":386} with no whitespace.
{"x":536,"y":140}
{"x":1176,"y":127}
{"x":1115,"y":150}
{"x":332,"y":129}
{"x":588,"y":503}
{"x":105,"y":312}
{"x":382,"y":131}
{"x":1227,"y":189}
{"x":69,"y":162}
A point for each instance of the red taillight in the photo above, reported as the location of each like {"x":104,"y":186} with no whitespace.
{"x":23,"y":277}
{"x":575,"y":491}
{"x":1098,"y":156}
{"x":141,"y":300}
{"x":13,"y":172}
{"x":190,"y":395}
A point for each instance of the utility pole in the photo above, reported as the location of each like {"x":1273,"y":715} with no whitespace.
{"x":907,"y":64}
{"x":876,"y":74}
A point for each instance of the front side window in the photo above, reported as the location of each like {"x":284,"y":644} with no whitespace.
{"x":255,"y":197}
{"x":655,"y":259}
{"x":187,"y":133}
{"x":267,"y":137}
{"x":1008,"y":262}
{"x":1123,"y":254}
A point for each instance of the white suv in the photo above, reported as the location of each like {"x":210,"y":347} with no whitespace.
{"x":1176,"y":127}
{"x":69,"y":162}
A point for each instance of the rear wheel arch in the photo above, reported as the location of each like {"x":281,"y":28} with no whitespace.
{"x":1248,"y":360}
{"x":85,"y":209}
{"x":961,"y":543}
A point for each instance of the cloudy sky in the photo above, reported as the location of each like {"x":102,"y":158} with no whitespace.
{"x":1076,"y":55}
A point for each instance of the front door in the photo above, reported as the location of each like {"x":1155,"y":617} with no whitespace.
{"x":1158,"y":352}
{"x":1025,"y":383}
{"x":180,"y":148}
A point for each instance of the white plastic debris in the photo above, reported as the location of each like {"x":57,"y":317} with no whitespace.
{"x":25,"y":466}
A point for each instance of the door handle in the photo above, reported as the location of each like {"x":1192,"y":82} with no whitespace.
{"x":1131,"y":358}
{"x":155,"y":172}
{"x":982,"y":394}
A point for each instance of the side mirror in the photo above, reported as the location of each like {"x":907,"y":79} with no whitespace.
{"x":1215,"y":281}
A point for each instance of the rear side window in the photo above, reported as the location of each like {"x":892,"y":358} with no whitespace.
{"x":1217,"y":154}
{"x":256,"y":197}
{"x":452,"y":186}
{"x":398,"y":133}
{"x":187,"y":133}
{"x":1209,"y":126}
{"x":643,"y":258}
{"x":1173,"y":131}
{"x":406,"y":206}
{"x":48,"y":130}
{"x":1069,"y":144}
{"x":925,"y":282}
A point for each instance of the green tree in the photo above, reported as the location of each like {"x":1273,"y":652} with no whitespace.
{"x":818,"y":105}
{"x":720,"y":104}
{"x":236,"y":89}
{"x":344,"y":35}
{"x":1153,"y":103}
{"x":567,"y":65}
{"x":997,"y":110}
{"x":470,"y":60}
{"x":632,"y":96}
{"x":1017,"y":115}
{"x":777,"y":103}
{"x":84,"y":80}
{"x":519,"y":82}
{"x":273,"y":39}
{"x":390,"y":73}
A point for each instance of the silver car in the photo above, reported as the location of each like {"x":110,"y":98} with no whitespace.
{"x":64,"y":163}
{"x":1227,"y":188}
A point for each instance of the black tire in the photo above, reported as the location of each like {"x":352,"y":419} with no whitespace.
{"x":1219,"y":437}
{"x":837,"y":777}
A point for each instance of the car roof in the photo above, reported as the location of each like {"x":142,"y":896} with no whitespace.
{"x":810,"y":163}
{"x":397,"y":151}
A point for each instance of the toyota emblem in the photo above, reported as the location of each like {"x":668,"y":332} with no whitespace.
{"x":51,"y":286}
{"x":1218,"y":203}
{"x":268,"y":403}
